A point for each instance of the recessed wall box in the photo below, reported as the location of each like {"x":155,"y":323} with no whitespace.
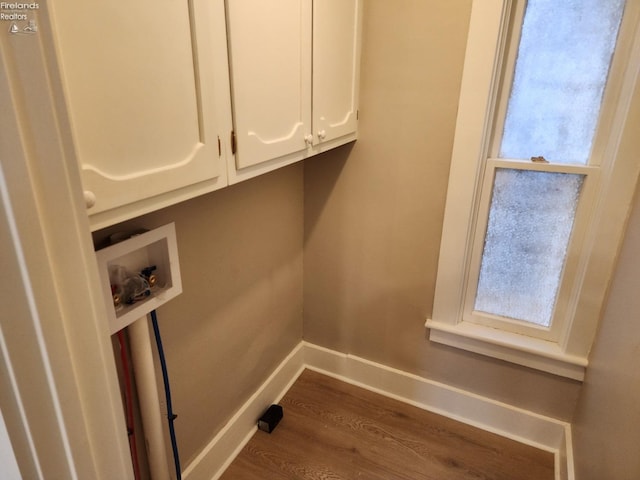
{"x":134,"y":259}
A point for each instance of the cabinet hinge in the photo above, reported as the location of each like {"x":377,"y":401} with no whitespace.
{"x":233,"y":142}
{"x":219,"y":147}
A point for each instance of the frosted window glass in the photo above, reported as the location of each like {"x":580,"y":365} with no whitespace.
{"x":561,"y":70}
{"x":530,"y":222}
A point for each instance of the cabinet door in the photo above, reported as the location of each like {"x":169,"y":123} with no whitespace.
{"x":336,"y":61}
{"x":270,"y":55}
{"x":143,"y":83}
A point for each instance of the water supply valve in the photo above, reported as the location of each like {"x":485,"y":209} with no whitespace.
{"x":140,"y":271}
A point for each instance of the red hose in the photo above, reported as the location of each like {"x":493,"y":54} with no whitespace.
{"x":128,"y":400}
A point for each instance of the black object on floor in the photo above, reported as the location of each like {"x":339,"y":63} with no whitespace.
{"x":270,"y":419}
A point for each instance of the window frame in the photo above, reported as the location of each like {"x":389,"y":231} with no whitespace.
{"x":585,"y":203}
{"x":609,"y":187}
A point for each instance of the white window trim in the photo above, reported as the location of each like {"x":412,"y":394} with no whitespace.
{"x":568,"y":356}
{"x":590,"y":183}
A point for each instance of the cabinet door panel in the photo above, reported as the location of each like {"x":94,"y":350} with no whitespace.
{"x":336,"y":27}
{"x":270,"y":55}
{"x":142,"y":116}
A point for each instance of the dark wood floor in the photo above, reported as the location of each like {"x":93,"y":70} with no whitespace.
{"x":335,"y":431}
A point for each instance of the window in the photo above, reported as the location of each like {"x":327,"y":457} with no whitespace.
{"x":535,"y":169}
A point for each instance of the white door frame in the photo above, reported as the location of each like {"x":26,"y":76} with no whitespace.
{"x":59,"y":393}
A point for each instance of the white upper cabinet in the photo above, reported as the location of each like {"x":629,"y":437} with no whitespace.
{"x":294,"y":79}
{"x":146,"y":87}
{"x":149,"y":96}
{"x":336,"y":62}
{"x":270,"y":54}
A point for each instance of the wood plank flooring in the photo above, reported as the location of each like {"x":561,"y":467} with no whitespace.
{"x":332,"y":430}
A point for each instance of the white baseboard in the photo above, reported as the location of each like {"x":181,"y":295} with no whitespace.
{"x":527,"y":427}
{"x":225,"y":446}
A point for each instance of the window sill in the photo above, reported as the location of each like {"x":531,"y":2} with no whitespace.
{"x":511,"y":347}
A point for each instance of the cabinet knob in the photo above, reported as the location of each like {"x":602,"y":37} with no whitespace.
{"x":322,"y":134}
{"x":308,"y":139}
{"x":89,"y":198}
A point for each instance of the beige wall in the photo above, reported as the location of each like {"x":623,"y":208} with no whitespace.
{"x":373,"y":212}
{"x":607,"y":421}
{"x":240,"y":312}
